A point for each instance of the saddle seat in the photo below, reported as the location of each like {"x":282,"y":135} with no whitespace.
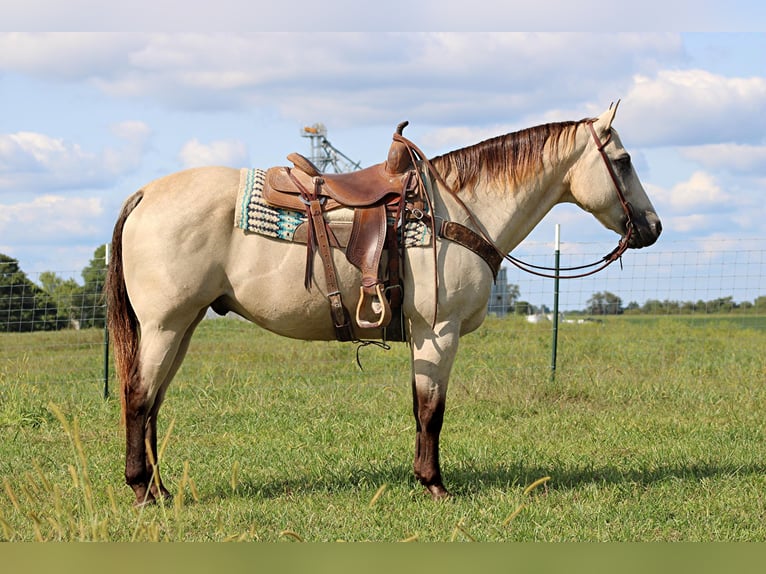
{"x":371,"y":193}
{"x":363,"y":188}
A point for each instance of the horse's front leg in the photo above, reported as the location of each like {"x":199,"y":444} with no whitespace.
{"x":433,"y":354}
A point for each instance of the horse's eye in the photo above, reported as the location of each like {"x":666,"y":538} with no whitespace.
{"x":623,"y":160}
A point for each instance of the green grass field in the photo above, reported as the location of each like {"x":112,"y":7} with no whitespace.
{"x":653,"y":430}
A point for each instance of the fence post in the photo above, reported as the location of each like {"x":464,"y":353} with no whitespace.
{"x":557,"y":255}
{"x":106,"y":331}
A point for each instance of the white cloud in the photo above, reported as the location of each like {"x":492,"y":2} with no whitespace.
{"x":703,"y":205}
{"x":735,"y":158}
{"x":222,"y":152}
{"x":446,"y":139}
{"x":699,"y":194}
{"x":700,"y":190}
{"x":697,"y":223}
{"x":132,"y":131}
{"x":353,"y":78}
{"x":50,"y":216}
{"x":341,"y":15}
{"x":30,"y":152}
{"x":31,"y":161}
{"x":66,"y":56}
{"x":682,"y":107}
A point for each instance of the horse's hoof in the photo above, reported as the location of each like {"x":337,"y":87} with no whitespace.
{"x":150,"y":499}
{"x":144,"y":502}
{"x":438,"y":492}
{"x":163,"y":494}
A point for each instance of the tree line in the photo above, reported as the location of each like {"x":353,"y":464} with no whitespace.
{"x":56,"y":303}
{"x":606,"y":303}
{"x":506,"y":301}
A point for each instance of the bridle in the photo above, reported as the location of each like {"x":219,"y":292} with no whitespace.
{"x":483,"y":245}
{"x":610,"y":257}
{"x":418,"y":157}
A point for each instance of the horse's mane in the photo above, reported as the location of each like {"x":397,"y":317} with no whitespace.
{"x":512,"y":157}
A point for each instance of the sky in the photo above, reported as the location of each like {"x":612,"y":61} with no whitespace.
{"x":89,"y":117}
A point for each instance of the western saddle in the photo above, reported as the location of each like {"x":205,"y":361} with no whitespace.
{"x":377,"y":197}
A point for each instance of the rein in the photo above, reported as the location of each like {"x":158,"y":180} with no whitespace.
{"x":599,"y":265}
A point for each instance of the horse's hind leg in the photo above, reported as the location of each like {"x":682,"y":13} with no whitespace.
{"x":161,"y":353}
{"x":432,"y":359}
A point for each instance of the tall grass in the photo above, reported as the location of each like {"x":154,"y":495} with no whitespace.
{"x":649,"y":431}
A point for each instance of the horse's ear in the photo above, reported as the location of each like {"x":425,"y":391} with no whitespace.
{"x":605,"y":120}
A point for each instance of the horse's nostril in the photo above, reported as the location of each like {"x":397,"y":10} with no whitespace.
{"x":657,"y":228}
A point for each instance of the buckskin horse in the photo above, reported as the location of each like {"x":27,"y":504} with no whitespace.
{"x":176,"y":253}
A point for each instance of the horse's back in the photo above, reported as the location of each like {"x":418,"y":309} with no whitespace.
{"x":193,"y":193}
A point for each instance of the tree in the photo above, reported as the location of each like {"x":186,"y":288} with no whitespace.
{"x":92,"y":308}
{"x":524,"y":308}
{"x":66,"y":294}
{"x":722,"y":305}
{"x":512,"y":293}
{"x":79,"y":306}
{"x":604,"y":303}
{"x":633,"y":307}
{"x":24,"y":306}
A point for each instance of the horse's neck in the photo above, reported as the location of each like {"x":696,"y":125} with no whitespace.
{"x":508,"y":212}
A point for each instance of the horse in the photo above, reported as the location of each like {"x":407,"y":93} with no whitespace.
{"x":176,"y":253}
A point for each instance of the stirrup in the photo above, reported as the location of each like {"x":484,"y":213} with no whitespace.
{"x":375,"y":307}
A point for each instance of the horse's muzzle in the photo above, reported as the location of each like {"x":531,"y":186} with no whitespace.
{"x":646,"y":229}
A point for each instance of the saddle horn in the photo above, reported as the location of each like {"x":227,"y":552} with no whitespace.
{"x":399,"y":160}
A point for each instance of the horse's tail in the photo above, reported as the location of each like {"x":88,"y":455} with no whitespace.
{"x":121,"y":318}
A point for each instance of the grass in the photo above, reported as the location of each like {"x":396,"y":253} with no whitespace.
{"x":651,"y":431}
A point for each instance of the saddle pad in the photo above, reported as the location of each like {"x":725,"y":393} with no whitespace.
{"x":254,"y":215}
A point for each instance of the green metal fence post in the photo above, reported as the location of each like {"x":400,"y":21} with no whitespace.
{"x":106,"y":333}
{"x":557,"y":255}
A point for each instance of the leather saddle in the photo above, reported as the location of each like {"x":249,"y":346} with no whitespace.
{"x":372,"y":193}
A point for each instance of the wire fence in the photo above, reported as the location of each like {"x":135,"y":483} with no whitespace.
{"x":682,"y":277}
{"x":44,"y":318}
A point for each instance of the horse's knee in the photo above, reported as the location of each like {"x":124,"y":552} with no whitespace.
{"x":136,"y":475}
{"x":428,"y":408}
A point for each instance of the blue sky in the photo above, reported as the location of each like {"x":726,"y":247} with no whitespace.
{"x":89,"y":117}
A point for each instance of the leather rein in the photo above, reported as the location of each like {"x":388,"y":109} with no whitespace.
{"x":487,"y":245}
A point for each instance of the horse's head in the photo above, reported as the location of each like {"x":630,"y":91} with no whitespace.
{"x":603,"y":182}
